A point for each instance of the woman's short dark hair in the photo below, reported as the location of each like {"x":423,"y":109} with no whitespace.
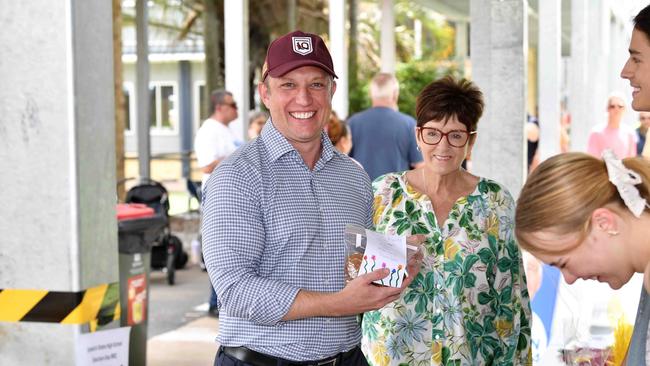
{"x":642,"y":21}
{"x":446,"y":98}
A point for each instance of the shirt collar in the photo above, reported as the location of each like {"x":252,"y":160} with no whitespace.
{"x":278,"y":145}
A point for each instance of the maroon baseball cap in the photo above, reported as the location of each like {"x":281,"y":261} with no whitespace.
{"x":294,"y":50}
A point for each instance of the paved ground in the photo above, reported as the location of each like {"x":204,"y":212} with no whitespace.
{"x":179,"y":331}
{"x":192,"y":344}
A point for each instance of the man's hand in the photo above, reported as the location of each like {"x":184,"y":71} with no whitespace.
{"x":361,"y":295}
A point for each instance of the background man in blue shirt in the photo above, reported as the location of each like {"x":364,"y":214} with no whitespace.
{"x":273,"y":226}
{"x":384,"y":138}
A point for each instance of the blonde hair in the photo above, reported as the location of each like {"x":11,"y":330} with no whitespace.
{"x":561,"y":194}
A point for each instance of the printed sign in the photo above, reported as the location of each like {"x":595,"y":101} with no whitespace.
{"x":103,"y":348}
{"x":137,"y":299}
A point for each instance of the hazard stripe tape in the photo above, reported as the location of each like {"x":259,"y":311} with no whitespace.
{"x":99,"y":305}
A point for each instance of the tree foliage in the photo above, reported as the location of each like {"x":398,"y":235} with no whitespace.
{"x":413,"y":73}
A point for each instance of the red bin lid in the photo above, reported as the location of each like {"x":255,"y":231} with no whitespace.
{"x":126,"y":211}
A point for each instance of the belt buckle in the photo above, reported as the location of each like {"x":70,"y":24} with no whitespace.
{"x":331,"y":362}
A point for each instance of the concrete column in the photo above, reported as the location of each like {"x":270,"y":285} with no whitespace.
{"x":185,"y":107}
{"x":461,"y":40}
{"x":291,"y":15}
{"x":620,"y":34}
{"x":339,"y":50}
{"x":57,"y":128}
{"x":549,"y":71}
{"x":236,"y":56}
{"x":499,"y":42}
{"x":387,"y":42}
{"x":417,"y":38}
{"x":143,"y":107}
{"x":598,"y":62}
{"x":579,"y":86}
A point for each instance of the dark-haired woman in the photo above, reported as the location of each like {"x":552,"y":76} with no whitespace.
{"x":469,"y":304}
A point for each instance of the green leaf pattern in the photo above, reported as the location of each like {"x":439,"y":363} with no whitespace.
{"x":469,"y":304}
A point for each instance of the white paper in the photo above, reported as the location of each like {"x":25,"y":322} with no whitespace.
{"x":104,"y":348}
{"x":385,"y":251}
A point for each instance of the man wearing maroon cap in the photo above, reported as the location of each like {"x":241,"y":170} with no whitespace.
{"x":274,"y":218}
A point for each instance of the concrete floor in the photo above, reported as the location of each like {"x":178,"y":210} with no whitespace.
{"x":179,"y":332}
{"x":191,"y":344}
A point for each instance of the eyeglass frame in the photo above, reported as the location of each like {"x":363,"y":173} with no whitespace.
{"x":445,"y":135}
{"x":232,"y":104}
{"x":617,"y":106}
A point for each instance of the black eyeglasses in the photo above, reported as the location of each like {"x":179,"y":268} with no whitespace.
{"x":232,"y":104}
{"x":455,"y":138}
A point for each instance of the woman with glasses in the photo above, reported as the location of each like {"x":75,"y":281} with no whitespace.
{"x":613,"y":135}
{"x":468,"y":305}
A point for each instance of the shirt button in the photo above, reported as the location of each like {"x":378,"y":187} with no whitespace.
{"x":327,"y":320}
{"x":437,"y":336}
{"x":326,"y":282}
{"x":438,"y":310}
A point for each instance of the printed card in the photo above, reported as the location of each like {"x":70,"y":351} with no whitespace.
{"x":385,"y":251}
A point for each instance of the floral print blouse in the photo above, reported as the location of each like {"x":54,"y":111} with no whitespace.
{"x":469,"y":304}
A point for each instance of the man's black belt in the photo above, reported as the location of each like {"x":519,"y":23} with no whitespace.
{"x":260,"y":359}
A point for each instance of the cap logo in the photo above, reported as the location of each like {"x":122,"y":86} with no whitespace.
{"x":302,"y":45}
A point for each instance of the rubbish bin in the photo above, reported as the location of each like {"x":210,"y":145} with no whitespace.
{"x":138,"y":227}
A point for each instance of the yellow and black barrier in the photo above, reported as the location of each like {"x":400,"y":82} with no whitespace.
{"x":97,"y":305}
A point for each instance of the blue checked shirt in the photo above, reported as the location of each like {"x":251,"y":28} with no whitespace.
{"x":272,"y":227}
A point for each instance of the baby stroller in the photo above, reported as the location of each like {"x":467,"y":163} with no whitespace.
{"x":167,"y":251}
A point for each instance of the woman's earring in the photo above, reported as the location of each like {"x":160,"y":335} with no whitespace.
{"x":418,"y":147}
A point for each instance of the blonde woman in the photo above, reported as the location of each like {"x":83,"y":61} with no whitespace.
{"x":589,"y":218}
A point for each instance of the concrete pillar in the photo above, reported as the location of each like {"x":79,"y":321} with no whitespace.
{"x":143,"y":107}
{"x":291,"y":15}
{"x":620,"y":34}
{"x":185,"y":108}
{"x":339,"y":50}
{"x":236,"y":56}
{"x":417,"y":38}
{"x":598,"y":63}
{"x":549,"y":71}
{"x":387,"y":42}
{"x":579,"y":85}
{"x":57,"y":128}
{"x":461,"y":40}
{"x":498,"y":53}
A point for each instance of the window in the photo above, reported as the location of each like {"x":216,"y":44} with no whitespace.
{"x":200,"y":112}
{"x":164,"y":107}
{"x":127,"y":88}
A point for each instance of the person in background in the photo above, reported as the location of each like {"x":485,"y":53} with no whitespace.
{"x":339,"y":134}
{"x":256,"y":122}
{"x":469,"y":304}
{"x":613,"y":135}
{"x":384,"y":140}
{"x":532,"y":139}
{"x":214,"y":142}
{"x":274,"y":217}
{"x":642,"y":131}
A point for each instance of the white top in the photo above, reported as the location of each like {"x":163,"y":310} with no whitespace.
{"x":214,"y":140}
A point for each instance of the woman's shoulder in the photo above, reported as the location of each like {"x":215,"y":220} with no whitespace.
{"x":388,"y":179}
